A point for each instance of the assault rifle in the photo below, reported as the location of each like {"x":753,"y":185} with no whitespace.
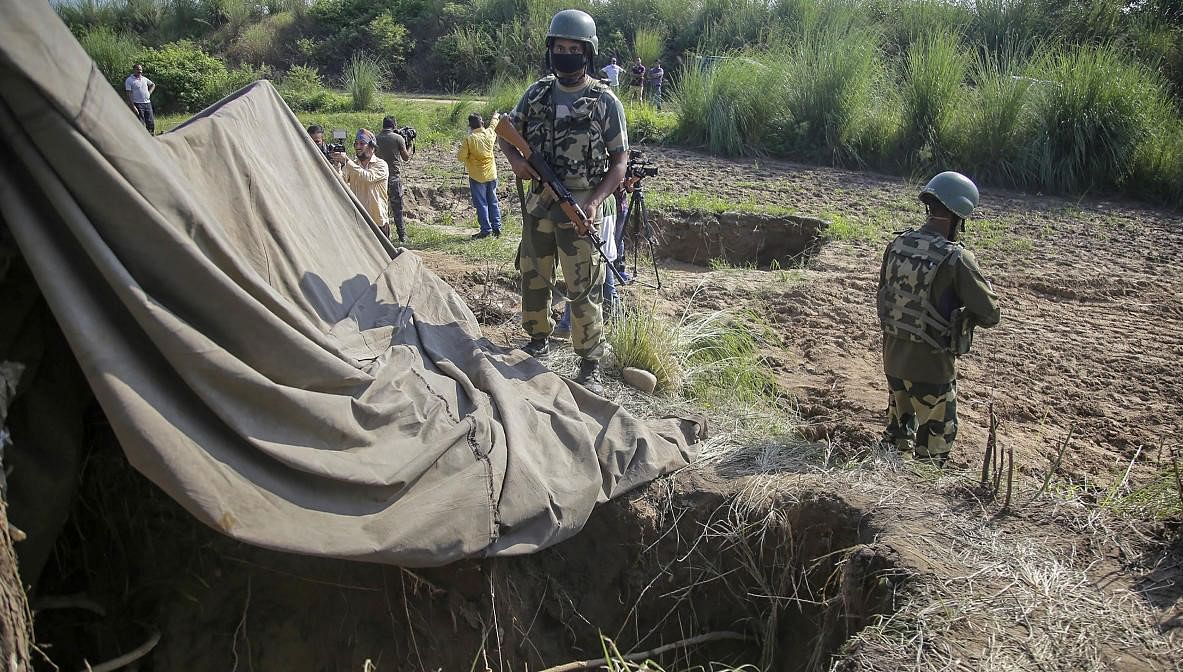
{"x":508,"y":132}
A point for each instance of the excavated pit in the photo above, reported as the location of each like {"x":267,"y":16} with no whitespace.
{"x":737,"y":238}
{"x":692,"y":236}
{"x":794,"y":575}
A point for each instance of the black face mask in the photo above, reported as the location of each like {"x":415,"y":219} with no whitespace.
{"x":567,"y":66}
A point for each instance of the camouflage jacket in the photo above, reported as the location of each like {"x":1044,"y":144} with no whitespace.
{"x":923,"y":279}
{"x":572,"y":138}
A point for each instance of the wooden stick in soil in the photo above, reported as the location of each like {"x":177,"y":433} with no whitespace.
{"x":989,"y":456}
{"x":700,"y":639}
{"x":1178,"y":476}
{"x":1010,"y":474}
{"x":1056,"y":464}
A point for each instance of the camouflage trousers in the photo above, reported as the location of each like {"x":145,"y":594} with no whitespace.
{"x":923,"y":415}
{"x":543,"y":243}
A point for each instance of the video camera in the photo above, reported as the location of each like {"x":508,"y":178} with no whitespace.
{"x":408,"y":133}
{"x":338,"y":144}
{"x":638,"y":165}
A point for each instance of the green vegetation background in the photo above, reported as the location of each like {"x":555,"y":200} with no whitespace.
{"x":1071,"y":97}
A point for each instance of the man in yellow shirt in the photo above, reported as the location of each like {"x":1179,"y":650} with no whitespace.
{"x":476,"y":153}
{"x":366,"y":177}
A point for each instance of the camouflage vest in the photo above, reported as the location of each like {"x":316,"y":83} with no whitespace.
{"x":909,"y":268}
{"x":573,"y":144}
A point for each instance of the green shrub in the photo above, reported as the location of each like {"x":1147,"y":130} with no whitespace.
{"x":1158,"y":165}
{"x":1093,"y":112}
{"x":647,"y":124}
{"x":363,"y":77}
{"x":464,"y":56}
{"x":504,"y":94}
{"x":648,"y":44}
{"x":187,"y":79}
{"x":239,"y":77}
{"x":304,"y":91}
{"x":730,"y":107}
{"x":114,"y":54}
{"x":262,"y":42}
{"x":389,"y":40}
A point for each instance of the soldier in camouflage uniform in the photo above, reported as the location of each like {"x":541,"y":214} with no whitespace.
{"x":931,"y":295}
{"x":577,"y":124}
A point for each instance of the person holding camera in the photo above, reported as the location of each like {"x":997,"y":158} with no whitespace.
{"x":317,"y":133}
{"x":476,"y":153}
{"x":577,"y":124}
{"x":366,"y":177}
{"x":392,"y":149}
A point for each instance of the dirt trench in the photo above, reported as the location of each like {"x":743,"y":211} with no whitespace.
{"x":790,"y":577}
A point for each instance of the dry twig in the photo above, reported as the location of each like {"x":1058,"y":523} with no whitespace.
{"x":691,"y":641}
{"x":129,"y":657}
{"x":1056,"y":464}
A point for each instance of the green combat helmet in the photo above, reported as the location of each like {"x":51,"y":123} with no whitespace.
{"x":954,"y":190}
{"x":573,"y":24}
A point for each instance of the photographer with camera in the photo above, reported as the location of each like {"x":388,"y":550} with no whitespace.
{"x":366,"y":176}
{"x":393,"y":144}
{"x":317,"y":133}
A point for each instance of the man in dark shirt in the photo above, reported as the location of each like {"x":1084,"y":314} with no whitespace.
{"x":317,"y":133}
{"x":931,"y":295}
{"x":638,"y":78}
{"x":392,"y":148}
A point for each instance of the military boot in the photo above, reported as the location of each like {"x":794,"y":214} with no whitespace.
{"x":537,"y":347}
{"x":589,"y":376}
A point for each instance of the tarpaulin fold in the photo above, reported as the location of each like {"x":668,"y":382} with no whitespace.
{"x":265,"y":355}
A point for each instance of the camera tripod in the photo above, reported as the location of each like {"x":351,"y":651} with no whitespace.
{"x":637,"y":229}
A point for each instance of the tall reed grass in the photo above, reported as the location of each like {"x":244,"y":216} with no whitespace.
{"x":932,"y":84}
{"x":729,"y":108}
{"x":113,"y":53}
{"x":363,"y":77}
{"x":1093,"y":112}
{"x":995,"y":123}
{"x":648,"y":44}
{"x":831,"y":78}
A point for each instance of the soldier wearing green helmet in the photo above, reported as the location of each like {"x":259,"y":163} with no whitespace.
{"x":577,"y":124}
{"x":931,"y":295}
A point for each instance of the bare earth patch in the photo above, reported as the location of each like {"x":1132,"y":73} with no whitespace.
{"x":793,"y":541}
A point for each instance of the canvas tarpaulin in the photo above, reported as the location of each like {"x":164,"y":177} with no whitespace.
{"x":264,"y":355}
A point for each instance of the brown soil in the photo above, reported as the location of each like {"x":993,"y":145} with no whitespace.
{"x":796,"y":555}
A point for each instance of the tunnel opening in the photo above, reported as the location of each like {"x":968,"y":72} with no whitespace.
{"x":689,"y":571}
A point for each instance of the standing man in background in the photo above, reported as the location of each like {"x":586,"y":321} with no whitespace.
{"x":931,"y":295}
{"x":392,"y":150}
{"x":613,"y":71}
{"x":139,"y":96}
{"x":638,"y":78}
{"x":366,"y":177}
{"x":577,"y":125}
{"x":656,"y":78}
{"x":317,"y":133}
{"x":476,"y":153}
